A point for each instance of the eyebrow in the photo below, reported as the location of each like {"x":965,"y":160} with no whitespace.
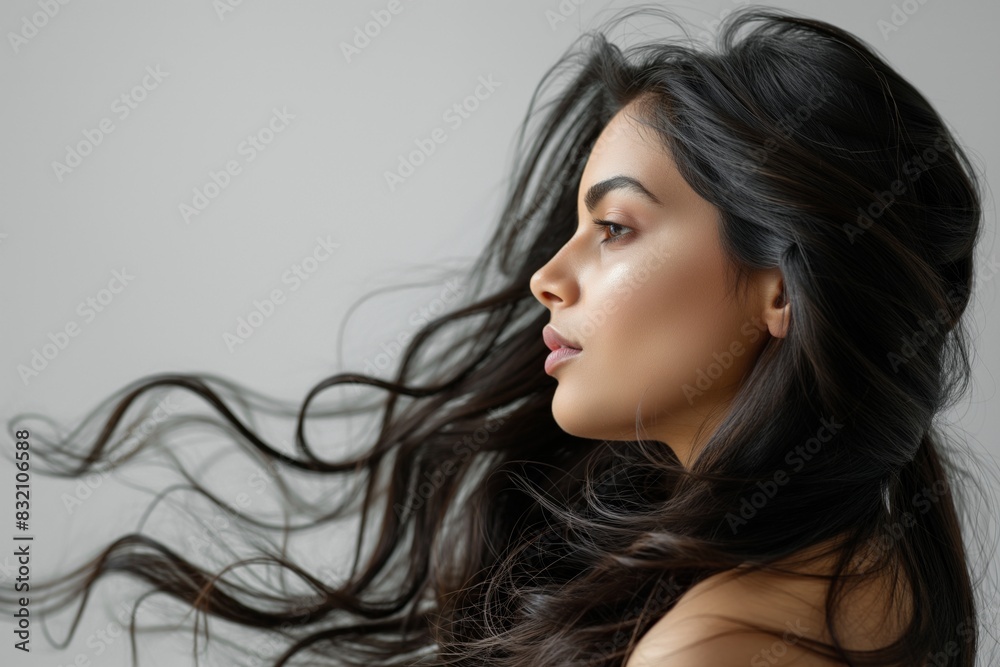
{"x":598,"y":190}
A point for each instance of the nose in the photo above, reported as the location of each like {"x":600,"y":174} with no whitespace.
{"x":554,"y":284}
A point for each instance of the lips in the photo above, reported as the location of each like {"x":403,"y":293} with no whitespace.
{"x":554,"y":340}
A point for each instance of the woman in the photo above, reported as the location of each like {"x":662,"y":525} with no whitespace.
{"x":686,"y":416}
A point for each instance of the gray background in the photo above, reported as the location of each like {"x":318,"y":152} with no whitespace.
{"x":322,"y":176}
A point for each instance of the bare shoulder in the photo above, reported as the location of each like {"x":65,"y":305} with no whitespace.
{"x":708,"y":623}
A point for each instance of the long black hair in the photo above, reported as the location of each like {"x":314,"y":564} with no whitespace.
{"x":495,"y":538}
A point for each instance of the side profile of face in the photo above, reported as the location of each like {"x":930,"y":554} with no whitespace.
{"x":662,"y":337}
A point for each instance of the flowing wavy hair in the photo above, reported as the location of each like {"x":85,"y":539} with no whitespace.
{"x":494,"y":537}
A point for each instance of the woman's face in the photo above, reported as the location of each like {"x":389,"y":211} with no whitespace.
{"x":661,"y":338}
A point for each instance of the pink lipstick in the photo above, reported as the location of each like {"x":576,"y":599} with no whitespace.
{"x":562,"y":348}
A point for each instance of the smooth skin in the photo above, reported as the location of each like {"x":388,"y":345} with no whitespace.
{"x":649,"y":311}
{"x":693,"y":632}
{"x":651,"y":307}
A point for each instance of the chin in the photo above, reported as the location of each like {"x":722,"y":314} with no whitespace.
{"x":581,"y":424}
{"x":571,"y":423}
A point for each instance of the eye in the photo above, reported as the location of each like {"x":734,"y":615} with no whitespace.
{"x":610,"y":226}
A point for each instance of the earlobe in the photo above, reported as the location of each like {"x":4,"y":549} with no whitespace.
{"x":778,"y":312}
{"x":779,"y":317}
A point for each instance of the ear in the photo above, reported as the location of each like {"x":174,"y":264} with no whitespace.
{"x":776,"y":311}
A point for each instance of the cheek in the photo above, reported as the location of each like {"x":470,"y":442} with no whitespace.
{"x":673,"y":324}
{"x":648,"y":333}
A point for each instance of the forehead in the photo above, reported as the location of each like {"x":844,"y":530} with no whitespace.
{"x":626,"y":130}
{"x":626,"y":146}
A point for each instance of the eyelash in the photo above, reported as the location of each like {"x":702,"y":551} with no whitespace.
{"x":608,"y":223}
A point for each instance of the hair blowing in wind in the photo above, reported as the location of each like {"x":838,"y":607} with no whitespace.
{"x":490,"y":536}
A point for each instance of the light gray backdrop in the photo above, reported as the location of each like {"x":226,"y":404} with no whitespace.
{"x":120,"y":114}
